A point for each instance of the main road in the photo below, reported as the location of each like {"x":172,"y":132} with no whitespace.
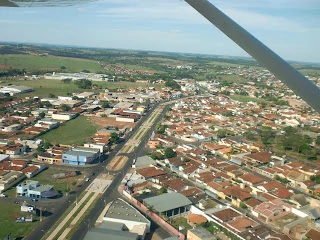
{"x":110,"y":194}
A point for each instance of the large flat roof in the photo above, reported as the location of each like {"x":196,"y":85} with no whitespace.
{"x":119,"y":209}
{"x":102,"y":234}
{"x":43,"y":188}
{"x":167,"y":201}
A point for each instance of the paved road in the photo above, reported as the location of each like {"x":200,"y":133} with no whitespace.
{"x":57,"y":210}
{"x":112,"y":192}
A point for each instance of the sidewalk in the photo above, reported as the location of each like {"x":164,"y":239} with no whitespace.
{"x":67,"y":218}
{"x":76,"y":219}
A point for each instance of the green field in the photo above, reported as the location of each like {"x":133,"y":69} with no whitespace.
{"x":8,"y":224}
{"x":50,"y":63}
{"x":246,"y":99}
{"x":75,"y":131}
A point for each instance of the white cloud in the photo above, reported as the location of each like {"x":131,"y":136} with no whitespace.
{"x":179,"y":12}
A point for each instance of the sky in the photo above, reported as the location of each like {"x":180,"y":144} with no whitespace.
{"x":289,"y":27}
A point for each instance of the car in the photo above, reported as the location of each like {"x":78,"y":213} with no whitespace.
{"x":34,"y":200}
{"x":87,"y":179}
{"x":2,"y":195}
{"x":93,"y":173}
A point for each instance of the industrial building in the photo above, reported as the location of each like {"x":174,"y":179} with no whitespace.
{"x":169,"y":204}
{"x":120,"y":221}
{"x":80,"y":156}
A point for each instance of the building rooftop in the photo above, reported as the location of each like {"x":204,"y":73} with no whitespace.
{"x":120,"y":209}
{"x":43,"y":188}
{"x":102,"y":234}
{"x":202,"y":233}
{"x":167,"y":201}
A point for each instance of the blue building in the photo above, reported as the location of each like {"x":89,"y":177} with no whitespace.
{"x":80,"y":156}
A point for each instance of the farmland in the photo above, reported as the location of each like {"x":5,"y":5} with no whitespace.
{"x":49,"y":63}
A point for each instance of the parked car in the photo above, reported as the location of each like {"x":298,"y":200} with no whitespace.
{"x":87,"y":179}
{"x":34,"y":200}
{"x":2,"y":195}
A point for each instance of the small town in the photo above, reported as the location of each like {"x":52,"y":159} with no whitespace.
{"x":209,"y":160}
{"x":159,"y":120}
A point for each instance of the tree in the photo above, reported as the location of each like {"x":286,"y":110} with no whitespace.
{"x":105,"y":104}
{"x":222,"y":133}
{"x":83,"y":84}
{"x":64,"y":107}
{"x":47,"y":104}
{"x":66,"y":80}
{"x":40,"y":148}
{"x":51,"y":95}
{"x":163,"y":190}
{"x":318,"y":140}
{"x":114,"y":137}
{"x":42,"y":114}
{"x":169,"y":153}
{"x":47,"y":145}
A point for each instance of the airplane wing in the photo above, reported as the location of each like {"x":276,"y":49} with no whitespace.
{"x":41,"y":3}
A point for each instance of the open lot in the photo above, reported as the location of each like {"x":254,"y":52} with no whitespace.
{"x":75,"y":131}
{"x":103,"y":122}
{"x":64,"y":184}
{"x":246,"y":99}
{"x":7,"y":221}
{"x":50,"y":63}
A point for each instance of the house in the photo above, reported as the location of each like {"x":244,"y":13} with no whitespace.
{"x":251,"y":179}
{"x":150,"y":172}
{"x":259,"y":158}
{"x":271,"y":209}
{"x":313,"y":234}
{"x":80,"y":156}
{"x":225,"y":215}
{"x":242,"y":224}
{"x":235,"y":195}
{"x":200,"y":233}
{"x":63,"y":116}
{"x":4,"y":157}
{"x":33,"y":170}
{"x":8,"y":178}
{"x":33,"y":189}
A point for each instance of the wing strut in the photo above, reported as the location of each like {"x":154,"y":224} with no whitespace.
{"x":302,"y":86}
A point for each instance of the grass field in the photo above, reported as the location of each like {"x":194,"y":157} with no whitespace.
{"x":8,"y":224}
{"x":64,"y":185}
{"x":50,"y":63}
{"x":43,"y":87}
{"x":246,"y":99}
{"x":75,"y":131}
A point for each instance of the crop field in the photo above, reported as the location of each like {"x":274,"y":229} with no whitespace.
{"x":50,"y":63}
{"x":75,"y":131}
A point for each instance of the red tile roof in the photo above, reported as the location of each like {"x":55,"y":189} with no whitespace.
{"x":251,"y":178}
{"x":263,"y":157}
{"x":150,"y":172}
{"x":226,"y":214}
